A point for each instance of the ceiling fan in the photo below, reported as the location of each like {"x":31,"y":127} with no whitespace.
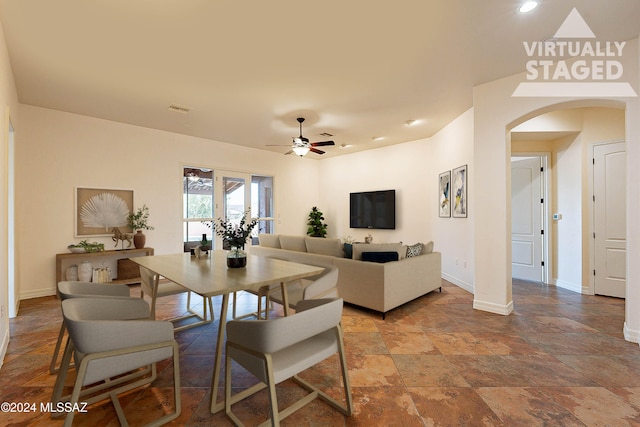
{"x":301,"y":145}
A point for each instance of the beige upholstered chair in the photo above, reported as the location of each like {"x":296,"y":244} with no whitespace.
{"x":322,"y":286}
{"x":83,"y":290}
{"x":278,"y":349}
{"x":148,"y":281}
{"x":111,"y":339}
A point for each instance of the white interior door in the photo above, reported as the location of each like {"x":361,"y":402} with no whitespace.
{"x":526,"y":219}
{"x":609,"y":215}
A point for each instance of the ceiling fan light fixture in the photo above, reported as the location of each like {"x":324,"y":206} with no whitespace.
{"x":300,"y":150}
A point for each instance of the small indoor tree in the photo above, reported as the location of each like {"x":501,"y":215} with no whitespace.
{"x":316,"y":227}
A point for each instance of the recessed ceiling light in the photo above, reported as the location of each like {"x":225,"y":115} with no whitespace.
{"x":528,"y":6}
{"x":411,"y":122}
{"x":345,"y":145}
{"x":377,"y":138}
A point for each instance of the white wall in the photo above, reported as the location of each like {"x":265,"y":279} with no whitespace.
{"x":568,"y":173}
{"x":58,"y":151}
{"x":411,"y":169}
{"x":8,"y":109}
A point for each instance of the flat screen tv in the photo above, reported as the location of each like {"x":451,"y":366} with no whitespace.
{"x":373,"y":209}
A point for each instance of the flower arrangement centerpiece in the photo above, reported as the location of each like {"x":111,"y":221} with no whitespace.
{"x":235,"y":235}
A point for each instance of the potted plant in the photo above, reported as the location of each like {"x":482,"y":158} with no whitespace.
{"x":316,"y":227}
{"x":235,"y":235}
{"x":139,"y":221}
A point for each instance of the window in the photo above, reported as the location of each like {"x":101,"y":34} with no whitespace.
{"x":262,"y":204}
{"x":232,"y":198}
{"x":197,"y":205}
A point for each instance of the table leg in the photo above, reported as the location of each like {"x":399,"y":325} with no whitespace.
{"x":217,"y":364}
{"x":285,"y":298}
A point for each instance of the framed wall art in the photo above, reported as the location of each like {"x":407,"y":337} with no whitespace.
{"x":99,"y":210}
{"x":444,"y":194}
{"x":459,"y":192}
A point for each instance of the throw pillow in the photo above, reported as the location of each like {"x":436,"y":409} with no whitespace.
{"x":359,"y":248}
{"x":414,"y":250}
{"x":380,"y":257}
{"x":348,"y":250}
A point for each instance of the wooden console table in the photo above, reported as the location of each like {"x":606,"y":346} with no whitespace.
{"x":110,"y":256}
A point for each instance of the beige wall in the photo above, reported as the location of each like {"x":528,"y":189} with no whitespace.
{"x":496,"y":113}
{"x":411,"y":169}
{"x":57,"y":152}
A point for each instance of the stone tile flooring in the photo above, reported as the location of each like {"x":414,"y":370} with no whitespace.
{"x":558,"y":360}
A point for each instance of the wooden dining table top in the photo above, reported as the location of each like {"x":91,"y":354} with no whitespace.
{"x":210,"y":276}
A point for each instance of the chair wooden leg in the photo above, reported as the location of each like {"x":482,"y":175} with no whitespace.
{"x":56,"y":352}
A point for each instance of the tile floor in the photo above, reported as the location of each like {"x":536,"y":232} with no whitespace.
{"x":559,"y":360}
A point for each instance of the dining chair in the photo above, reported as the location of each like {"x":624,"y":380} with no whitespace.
{"x":278,"y":349}
{"x":69,"y":289}
{"x":324,"y":285}
{"x":150,"y":281}
{"x":111,"y":339}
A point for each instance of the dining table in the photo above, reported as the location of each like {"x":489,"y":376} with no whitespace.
{"x":209,"y":276}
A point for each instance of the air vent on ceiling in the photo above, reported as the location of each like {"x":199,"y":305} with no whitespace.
{"x":326,"y":134}
{"x":179,"y":109}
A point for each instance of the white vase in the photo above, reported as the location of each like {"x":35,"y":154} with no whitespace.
{"x":72,"y":273}
{"x":85,"y":271}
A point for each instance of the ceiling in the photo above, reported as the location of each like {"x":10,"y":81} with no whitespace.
{"x":354,"y":69}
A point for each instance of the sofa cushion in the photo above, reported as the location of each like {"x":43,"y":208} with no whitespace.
{"x":380,"y":257}
{"x":293,"y":243}
{"x":322,"y":246}
{"x":358,"y":248}
{"x":269,"y":240}
{"x":428,"y":248}
{"x":414,"y":250}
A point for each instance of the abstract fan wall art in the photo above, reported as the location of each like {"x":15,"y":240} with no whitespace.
{"x":444,"y":185}
{"x":99,"y":210}
{"x":459,"y":192}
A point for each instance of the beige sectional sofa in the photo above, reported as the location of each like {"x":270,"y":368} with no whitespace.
{"x":380,"y":286}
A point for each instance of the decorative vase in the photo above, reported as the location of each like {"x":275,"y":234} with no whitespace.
{"x":139,"y":239}
{"x":72,"y":273}
{"x":85,"y":271}
{"x":236,"y":258}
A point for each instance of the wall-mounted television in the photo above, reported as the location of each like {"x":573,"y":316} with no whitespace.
{"x":373,"y":209}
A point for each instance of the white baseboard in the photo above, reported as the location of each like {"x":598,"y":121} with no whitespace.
{"x":631,"y":335}
{"x":493,"y":308}
{"x":459,"y":283}
{"x":575,"y":287}
{"x":37,"y":293}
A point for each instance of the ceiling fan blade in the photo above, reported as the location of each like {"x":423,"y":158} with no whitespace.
{"x":277,"y":145}
{"x":315,"y":150}
{"x":288,"y":152}
{"x":322,"y":143}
